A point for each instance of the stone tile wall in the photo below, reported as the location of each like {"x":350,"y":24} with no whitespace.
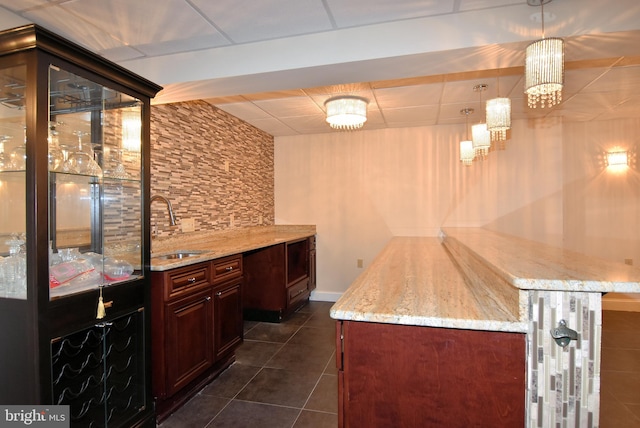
{"x":564,"y":383}
{"x":215,"y":168}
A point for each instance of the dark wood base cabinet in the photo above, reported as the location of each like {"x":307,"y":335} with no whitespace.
{"x":196,"y":326}
{"x":278,"y":279}
{"x":407,"y":376}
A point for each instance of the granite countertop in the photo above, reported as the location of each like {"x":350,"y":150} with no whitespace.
{"x":418,"y":281}
{"x":214,"y":245}
{"x":413,"y":281}
{"x":530,"y":265}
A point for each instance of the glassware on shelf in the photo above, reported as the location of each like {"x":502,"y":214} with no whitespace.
{"x":18,"y":156}
{"x":56,"y":156}
{"x":66,"y":163}
{"x":14,"y":269}
{"x":5,"y":163}
{"x":81,"y":159}
{"x":93,"y":168}
{"x":118,"y":170}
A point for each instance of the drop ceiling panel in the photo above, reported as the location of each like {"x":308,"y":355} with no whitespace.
{"x":450,"y":113}
{"x":121,"y":53}
{"x":578,"y":80}
{"x":92,"y":38}
{"x":617,"y":79}
{"x":462,"y":91}
{"x":627,"y":110}
{"x":269,"y":19}
{"x":520,"y":110}
{"x":409,"y":96}
{"x":290,"y":107}
{"x":272,"y":126}
{"x":412,"y":116}
{"x":362,"y":12}
{"x":23,"y":4}
{"x":466,"y":5}
{"x":591,"y":103}
{"x":197,"y":42}
{"x":303,"y":123}
{"x":246,"y":110}
{"x":165,"y":23}
{"x":506,"y":86}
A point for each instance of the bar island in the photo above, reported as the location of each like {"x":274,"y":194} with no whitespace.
{"x":457,"y":331}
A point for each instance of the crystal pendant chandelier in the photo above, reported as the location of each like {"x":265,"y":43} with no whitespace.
{"x":481,"y":140}
{"x":544,"y":67}
{"x":479,"y":133}
{"x":467,"y":152}
{"x":498,"y":118}
{"x":346,"y":112}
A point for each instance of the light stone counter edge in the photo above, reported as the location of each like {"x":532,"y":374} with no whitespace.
{"x":215,"y":245}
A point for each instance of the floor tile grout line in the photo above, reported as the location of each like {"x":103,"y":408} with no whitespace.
{"x":260,"y":369}
{"x":300,"y":410}
{"x":308,"y":397}
{"x":305,"y":324}
{"x":234,"y":397}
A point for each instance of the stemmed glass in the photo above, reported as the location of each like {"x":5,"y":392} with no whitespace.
{"x":79,"y":159}
{"x":118,"y":171}
{"x":93,"y":168}
{"x":82,"y":161}
{"x":56,"y":156}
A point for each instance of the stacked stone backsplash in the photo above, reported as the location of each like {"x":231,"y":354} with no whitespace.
{"x":213,"y":167}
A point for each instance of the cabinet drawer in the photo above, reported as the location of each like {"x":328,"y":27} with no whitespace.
{"x":227,"y":268}
{"x":298,"y":291}
{"x":187,"y":279}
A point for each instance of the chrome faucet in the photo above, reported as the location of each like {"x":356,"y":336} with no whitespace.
{"x":172,"y":218}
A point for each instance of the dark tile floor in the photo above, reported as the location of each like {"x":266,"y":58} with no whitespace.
{"x":620,"y":370}
{"x":284,"y":376}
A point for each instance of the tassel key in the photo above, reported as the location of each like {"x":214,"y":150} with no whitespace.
{"x":101,"y":313}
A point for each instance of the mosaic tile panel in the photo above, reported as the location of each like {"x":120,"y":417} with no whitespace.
{"x":564,"y":383}
{"x":215,"y":168}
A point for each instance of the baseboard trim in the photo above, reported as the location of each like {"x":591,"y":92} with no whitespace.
{"x":627,"y":302}
{"x":324,"y":296}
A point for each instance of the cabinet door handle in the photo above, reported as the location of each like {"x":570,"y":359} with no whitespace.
{"x":207,"y":299}
{"x":229,"y":268}
{"x":219,"y":293}
{"x":191,"y":280}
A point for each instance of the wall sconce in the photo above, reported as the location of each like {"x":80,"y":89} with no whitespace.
{"x":617,"y":159}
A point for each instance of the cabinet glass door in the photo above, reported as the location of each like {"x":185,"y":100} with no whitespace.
{"x":95,"y":170}
{"x":13,"y":155}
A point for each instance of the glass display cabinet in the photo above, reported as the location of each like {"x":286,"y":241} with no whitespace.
{"x":74,"y":223}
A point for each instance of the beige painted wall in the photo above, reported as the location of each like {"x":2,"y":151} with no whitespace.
{"x":602,"y":205}
{"x":550,"y":185}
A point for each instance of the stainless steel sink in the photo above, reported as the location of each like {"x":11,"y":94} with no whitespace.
{"x":177,"y":255}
